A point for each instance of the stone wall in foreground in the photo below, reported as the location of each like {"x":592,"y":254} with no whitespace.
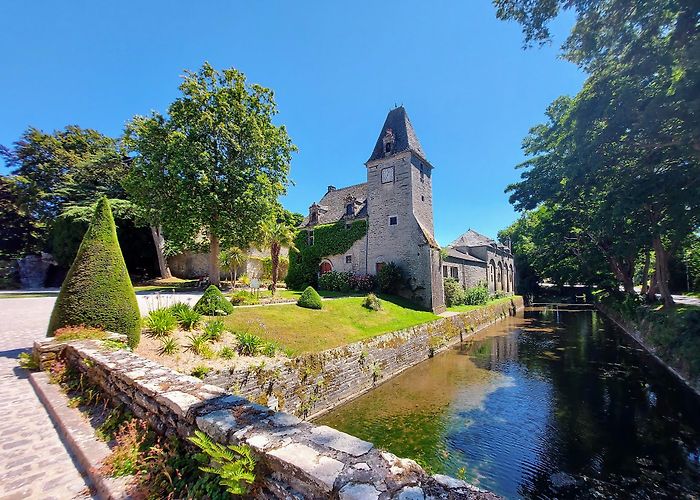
{"x":295,"y":459}
{"x":314,"y":383}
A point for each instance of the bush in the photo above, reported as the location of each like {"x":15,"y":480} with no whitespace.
{"x":249,"y":344}
{"x":476,"y":295}
{"x":161,"y":322}
{"x":227,"y":352}
{"x":454,"y":293}
{"x":168,"y":346}
{"x":213,"y":330}
{"x":335,"y":281}
{"x":213,"y":303}
{"x":363,"y":282}
{"x":310,"y":299}
{"x":372,"y":302}
{"x":200,"y":371}
{"x":97,"y":291}
{"x":187,"y":317}
{"x":390,"y":278}
{"x":244,"y":298}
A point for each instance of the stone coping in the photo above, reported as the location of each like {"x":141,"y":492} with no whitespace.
{"x":296,"y":459}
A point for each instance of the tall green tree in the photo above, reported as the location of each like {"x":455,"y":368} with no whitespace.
{"x":626,"y":149}
{"x":214,"y":165}
{"x":232,"y":259}
{"x":49,"y":172}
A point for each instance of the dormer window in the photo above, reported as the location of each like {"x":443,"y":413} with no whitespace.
{"x":349,"y":210}
{"x":314,"y":217}
{"x":387,"y":147}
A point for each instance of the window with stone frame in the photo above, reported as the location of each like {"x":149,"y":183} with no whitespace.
{"x":310,"y":238}
{"x":454,"y":272}
{"x":445,"y":274}
{"x":349,"y":209}
{"x":348,"y":259}
{"x":393,"y":220}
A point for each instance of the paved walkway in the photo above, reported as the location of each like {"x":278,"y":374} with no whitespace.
{"x":34,"y":462}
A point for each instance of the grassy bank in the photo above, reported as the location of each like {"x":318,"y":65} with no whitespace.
{"x":491,"y":302}
{"x":341,"y":321}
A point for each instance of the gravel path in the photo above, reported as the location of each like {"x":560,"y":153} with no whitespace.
{"x":34,"y":462}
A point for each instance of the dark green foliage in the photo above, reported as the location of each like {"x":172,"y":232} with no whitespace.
{"x":97,"y":290}
{"x":454,"y":292}
{"x":234,"y":464}
{"x":372,"y":303}
{"x":390,"y":278}
{"x":213,"y":330}
{"x":187,"y":318}
{"x":476,"y":295}
{"x":213,"y":303}
{"x":335,"y":281}
{"x":161,"y":322}
{"x":329,"y":239}
{"x":310,"y":299}
{"x":249,"y":344}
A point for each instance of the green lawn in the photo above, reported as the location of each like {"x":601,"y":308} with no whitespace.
{"x":341,"y":321}
{"x":470,"y":308}
{"x":693,"y":294}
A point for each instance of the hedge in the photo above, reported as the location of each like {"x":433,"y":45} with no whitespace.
{"x":213,"y":303}
{"x":97,"y":291}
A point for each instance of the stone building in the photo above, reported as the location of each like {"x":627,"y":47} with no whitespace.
{"x":474,"y":258}
{"x":397,"y":203}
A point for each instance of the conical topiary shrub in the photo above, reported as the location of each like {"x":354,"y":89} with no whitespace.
{"x":310,"y":299}
{"x":97,"y":291}
{"x":213,"y":303}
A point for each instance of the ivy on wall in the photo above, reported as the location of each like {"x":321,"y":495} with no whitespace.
{"x":328,"y":239}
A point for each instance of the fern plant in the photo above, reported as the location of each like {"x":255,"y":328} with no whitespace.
{"x":188,"y":318}
{"x":234,"y":465}
{"x":168,"y":346}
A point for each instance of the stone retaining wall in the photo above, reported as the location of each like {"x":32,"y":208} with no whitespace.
{"x":314,"y":383}
{"x":295,"y":459}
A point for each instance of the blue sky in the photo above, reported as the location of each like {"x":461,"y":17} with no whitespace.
{"x":336,"y":68}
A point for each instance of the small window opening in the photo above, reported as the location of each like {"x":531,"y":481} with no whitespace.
{"x":422,"y":198}
{"x":454,"y":272}
{"x":393,"y":221}
{"x":444,"y":272}
{"x":349,"y":210}
{"x":311,"y":238}
{"x":348,"y":259}
{"x":387,"y":147}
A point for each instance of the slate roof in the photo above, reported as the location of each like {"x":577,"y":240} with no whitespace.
{"x":332,"y":205}
{"x":472,"y":239}
{"x":405,"y":137}
{"x":456,"y":254}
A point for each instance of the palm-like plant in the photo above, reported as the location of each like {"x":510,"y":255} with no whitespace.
{"x":232,"y":259}
{"x":277,"y":235}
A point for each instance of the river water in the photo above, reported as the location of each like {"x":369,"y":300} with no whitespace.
{"x":553,"y":403}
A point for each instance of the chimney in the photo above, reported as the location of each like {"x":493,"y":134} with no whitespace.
{"x":331,"y":188}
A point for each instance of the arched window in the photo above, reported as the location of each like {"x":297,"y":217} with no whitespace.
{"x":499,"y":279}
{"x":492,"y":276}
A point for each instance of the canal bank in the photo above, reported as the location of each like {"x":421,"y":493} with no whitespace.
{"x":640,"y":333}
{"x":551,"y":403}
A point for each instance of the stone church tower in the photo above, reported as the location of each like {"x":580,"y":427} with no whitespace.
{"x":400,"y":211}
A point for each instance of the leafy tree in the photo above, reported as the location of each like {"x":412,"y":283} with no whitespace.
{"x":20,"y":233}
{"x":232,"y":259}
{"x":626,"y":149}
{"x":215,"y":164}
{"x":52,"y":171}
{"x":97,"y":291}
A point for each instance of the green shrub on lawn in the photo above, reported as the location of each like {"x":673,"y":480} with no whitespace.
{"x":310,"y":299}
{"x":390,"y":278}
{"x":372,"y":303}
{"x":213,"y":303}
{"x":97,"y":291}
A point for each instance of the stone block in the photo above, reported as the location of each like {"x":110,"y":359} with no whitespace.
{"x":217,"y":424}
{"x":339,"y":441}
{"x":179,"y":402}
{"x":358,"y":491}
{"x":321,"y":469}
{"x":411,"y":493}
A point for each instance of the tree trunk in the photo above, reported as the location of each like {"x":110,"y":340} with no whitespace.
{"x":214,"y":271}
{"x":662,"y":272}
{"x":645,"y":273}
{"x":622,"y":273}
{"x":235,"y":277}
{"x":159,"y":242}
{"x":275,"y":258}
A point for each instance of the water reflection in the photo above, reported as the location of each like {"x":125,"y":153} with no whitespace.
{"x":554,"y":403}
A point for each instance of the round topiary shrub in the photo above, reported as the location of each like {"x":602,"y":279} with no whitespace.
{"x":372,"y":303}
{"x":97,"y":291}
{"x":213,"y":303}
{"x":310,"y":299}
